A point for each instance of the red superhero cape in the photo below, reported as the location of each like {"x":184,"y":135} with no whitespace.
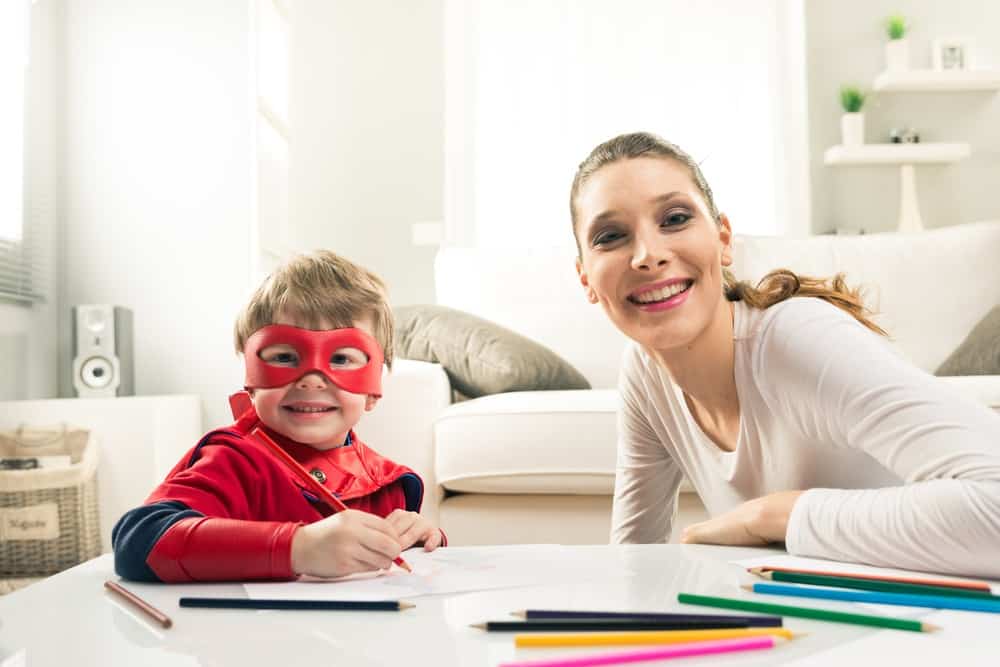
{"x":250,"y":503}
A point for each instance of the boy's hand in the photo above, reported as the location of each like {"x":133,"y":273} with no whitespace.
{"x":413,"y":528}
{"x":757,"y":522}
{"x":345,"y":543}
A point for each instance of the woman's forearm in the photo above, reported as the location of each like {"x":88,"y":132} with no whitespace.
{"x":942,"y":525}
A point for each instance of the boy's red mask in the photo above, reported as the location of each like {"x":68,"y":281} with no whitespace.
{"x":315,"y":350}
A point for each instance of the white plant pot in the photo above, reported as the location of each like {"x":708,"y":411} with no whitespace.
{"x":897,"y":55}
{"x":852,"y":129}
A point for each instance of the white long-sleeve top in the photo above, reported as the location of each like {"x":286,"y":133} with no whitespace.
{"x":900,"y":470}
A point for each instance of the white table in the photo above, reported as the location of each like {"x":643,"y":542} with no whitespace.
{"x":69,"y":619}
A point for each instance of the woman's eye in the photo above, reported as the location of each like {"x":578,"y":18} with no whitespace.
{"x":606,"y":238}
{"x":676,"y":218}
{"x":348,"y":358}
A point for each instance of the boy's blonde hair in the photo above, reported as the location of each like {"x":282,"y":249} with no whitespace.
{"x":315,"y":287}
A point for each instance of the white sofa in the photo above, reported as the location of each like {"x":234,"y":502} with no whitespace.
{"x":539,"y":466}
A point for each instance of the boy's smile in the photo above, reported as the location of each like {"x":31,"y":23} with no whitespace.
{"x":312,"y":410}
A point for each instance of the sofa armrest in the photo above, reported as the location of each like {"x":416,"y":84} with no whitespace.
{"x":401,"y":426}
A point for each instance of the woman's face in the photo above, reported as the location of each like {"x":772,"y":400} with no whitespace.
{"x":650,"y":252}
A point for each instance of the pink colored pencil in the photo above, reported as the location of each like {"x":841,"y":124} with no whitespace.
{"x":674,"y":651}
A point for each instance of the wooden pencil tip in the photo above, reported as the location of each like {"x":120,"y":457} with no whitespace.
{"x":930,"y":627}
{"x":519,"y":614}
{"x":747,"y":587}
{"x":406,"y":566}
{"x":799,"y":635}
{"x":478,"y":626}
{"x":406,"y":605}
{"x":755,"y":570}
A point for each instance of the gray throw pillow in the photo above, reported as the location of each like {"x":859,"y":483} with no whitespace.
{"x":480,"y":357}
{"x":979,"y":353}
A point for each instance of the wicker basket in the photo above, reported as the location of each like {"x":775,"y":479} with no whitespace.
{"x":49,"y":515}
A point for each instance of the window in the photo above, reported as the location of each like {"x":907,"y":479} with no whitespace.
{"x":15,"y":256}
{"x":271,"y":141}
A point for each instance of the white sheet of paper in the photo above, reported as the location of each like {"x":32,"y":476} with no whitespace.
{"x":447,"y":570}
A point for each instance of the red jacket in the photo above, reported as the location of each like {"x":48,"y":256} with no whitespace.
{"x":229,"y":508}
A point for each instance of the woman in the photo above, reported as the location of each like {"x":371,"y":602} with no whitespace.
{"x":792,"y":417}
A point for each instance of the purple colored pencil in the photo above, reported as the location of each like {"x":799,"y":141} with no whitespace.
{"x":748,"y":621}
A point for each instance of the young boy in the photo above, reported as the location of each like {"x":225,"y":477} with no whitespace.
{"x":312,"y":337}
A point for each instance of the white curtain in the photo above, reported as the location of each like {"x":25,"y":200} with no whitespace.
{"x":532,"y":86}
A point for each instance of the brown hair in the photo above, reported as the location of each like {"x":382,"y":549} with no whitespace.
{"x":317,"y":287}
{"x":773,"y":288}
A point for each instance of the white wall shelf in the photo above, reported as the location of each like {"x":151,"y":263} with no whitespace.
{"x":896,"y":154}
{"x":929,"y":80}
{"x":904,"y":156}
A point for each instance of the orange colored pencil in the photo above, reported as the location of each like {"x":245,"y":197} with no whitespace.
{"x":944,"y":583}
{"x":144,"y":606}
{"x":335,"y":503}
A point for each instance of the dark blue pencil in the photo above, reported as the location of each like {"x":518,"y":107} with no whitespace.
{"x":748,"y":621}
{"x":322,"y":605}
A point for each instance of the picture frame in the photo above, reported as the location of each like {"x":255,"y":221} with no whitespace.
{"x":952,"y":53}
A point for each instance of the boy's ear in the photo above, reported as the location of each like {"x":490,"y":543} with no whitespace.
{"x":370,"y":402}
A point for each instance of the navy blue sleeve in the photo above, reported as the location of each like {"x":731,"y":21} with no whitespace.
{"x":413,"y":491}
{"x":138,"y":531}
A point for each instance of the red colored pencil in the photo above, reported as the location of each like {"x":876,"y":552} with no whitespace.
{"x":944,"y":583}
{"x":335,"y":503}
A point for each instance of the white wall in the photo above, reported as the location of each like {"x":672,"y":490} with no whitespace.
{"x":367,"y":134}
{"x":532,"y":87}
{"x":845,"y":42}
{"x":158,"y":200}
{"x":28,"y":352}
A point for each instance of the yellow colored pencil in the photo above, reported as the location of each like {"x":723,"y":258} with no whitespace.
{"x":650,"y":637}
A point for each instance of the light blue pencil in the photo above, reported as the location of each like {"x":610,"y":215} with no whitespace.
{"x":875,"y":597}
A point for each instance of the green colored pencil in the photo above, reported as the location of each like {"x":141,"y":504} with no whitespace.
{"x":873,"y":585}
{"x":808,"y":612}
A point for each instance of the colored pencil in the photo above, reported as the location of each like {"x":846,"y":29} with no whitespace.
{"x":808,"y":612}
{"x":141,"y":604}
{"x":653,"y":637}
{"x":874,"y":585}
{"x":600,"y":625}
{"x":876,"y":597}
{"x":646,"y":655}
{"x":923,"y":581}
{"x":335,"y":503}
{"x":311,"y":605}
{"x":748,"y":621}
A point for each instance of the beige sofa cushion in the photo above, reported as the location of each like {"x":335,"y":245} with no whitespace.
{"x":529,"y":442}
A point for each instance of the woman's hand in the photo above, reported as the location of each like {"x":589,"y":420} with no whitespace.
{"x":345,"y":543}
{"x":760,"y":521}
{"x":413,"y":528}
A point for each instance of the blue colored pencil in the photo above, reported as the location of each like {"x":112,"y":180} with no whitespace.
{"x":875,"y":597}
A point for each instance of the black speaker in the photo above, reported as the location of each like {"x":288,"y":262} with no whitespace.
{"x":102,"y":351}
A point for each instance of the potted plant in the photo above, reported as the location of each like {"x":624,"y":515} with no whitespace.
{"x":897,"y":49}
{"x":852,"y":123}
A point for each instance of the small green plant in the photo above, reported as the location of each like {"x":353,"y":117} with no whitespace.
{"x":851,"y":98}
{"x":895,"y":25}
